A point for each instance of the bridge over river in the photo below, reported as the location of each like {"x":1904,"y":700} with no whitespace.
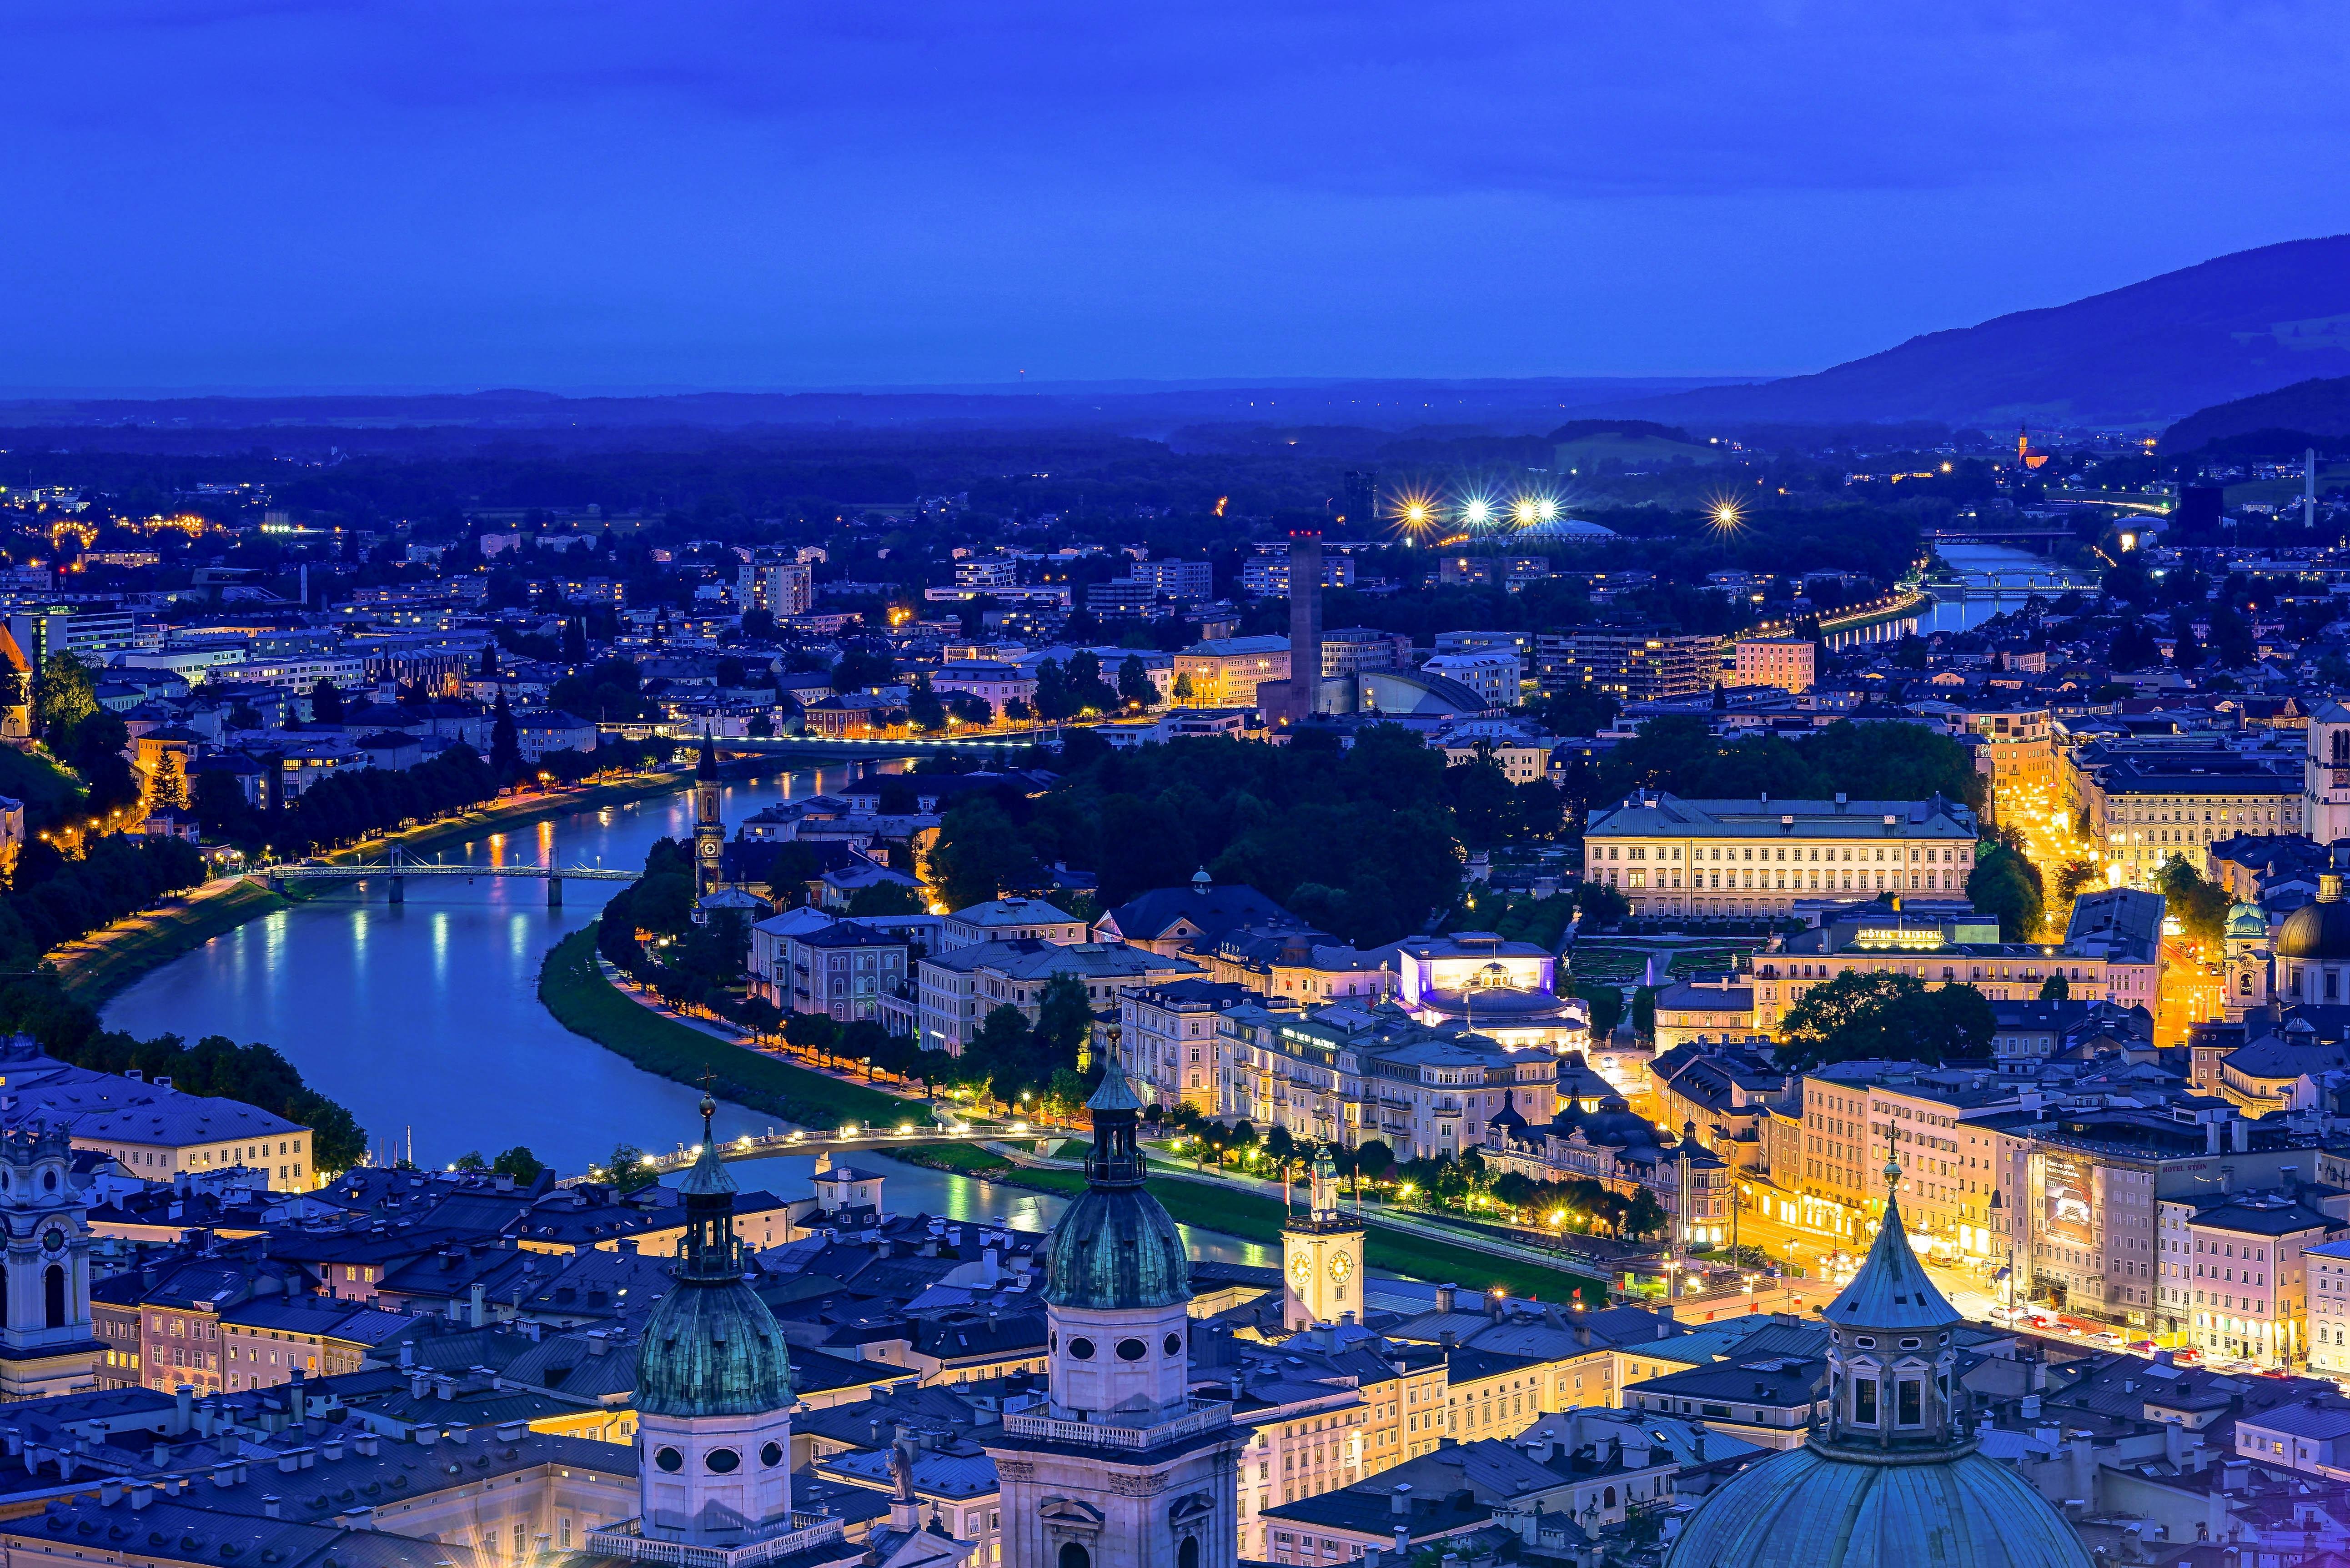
{"x":396,"y":867}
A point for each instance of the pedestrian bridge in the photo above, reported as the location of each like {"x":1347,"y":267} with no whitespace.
{"x":397,"y":868}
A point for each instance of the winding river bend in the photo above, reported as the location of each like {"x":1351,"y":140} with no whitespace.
{"x":423,"y":1017}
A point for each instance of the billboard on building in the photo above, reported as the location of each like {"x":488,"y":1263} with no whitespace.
{"x":2066,"y":1214}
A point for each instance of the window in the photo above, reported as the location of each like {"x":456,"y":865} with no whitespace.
{"x":1909,"y":1409}
{"x":1864,"y":1403}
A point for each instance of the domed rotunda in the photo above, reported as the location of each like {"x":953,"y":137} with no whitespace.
{"x":1892,"y":1476}
{"x":2312,"y":946}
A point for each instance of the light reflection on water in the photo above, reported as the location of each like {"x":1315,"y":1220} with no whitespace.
{"x":425,"y":1014}
{"x":424,"y":1018}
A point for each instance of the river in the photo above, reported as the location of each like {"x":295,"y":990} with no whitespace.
{"x":424,"y":1019}
{"x":1999,"y":579}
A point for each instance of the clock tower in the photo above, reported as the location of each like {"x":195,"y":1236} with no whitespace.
{"x":46,"y":1343}
{"x":1321,"y":1257}
{"x":708,"y":830}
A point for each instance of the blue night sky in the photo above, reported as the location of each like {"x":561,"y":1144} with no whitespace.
{"x":250,"y":194}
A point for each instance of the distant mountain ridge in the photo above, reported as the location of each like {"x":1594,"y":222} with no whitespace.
{"x":2315,"y":410}
{"x":2144,"y":355}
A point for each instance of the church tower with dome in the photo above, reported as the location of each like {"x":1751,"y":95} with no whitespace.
{"x":2245,"y":941}
{"x":713,"y":1410}
{"x":1119,"y":1467}
{"x":1892,"y":1475}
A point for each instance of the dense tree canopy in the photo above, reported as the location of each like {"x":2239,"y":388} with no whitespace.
{"x":1894,"y":1017}
{"x":1888,"y":760}
{"x":2004,"y":883}
{"x":1362,"y":841}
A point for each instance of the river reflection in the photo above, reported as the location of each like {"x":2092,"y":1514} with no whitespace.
{"x":423,"y":1017}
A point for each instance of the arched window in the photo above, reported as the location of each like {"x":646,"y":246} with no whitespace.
{"x":1608,"y":1500}
{"x":1074,"y":1556}
{"x":53,"y":1291}
{"x":1188,"y":1554}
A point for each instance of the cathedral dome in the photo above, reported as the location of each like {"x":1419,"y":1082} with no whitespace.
{"x":1891,"y":1475}
{"x":2320,"y":931}
{"x":1116,"y":1247}
{"x":712,"y":1352}
{"x":710,"y":1347}
{"x":1806,"y":1508}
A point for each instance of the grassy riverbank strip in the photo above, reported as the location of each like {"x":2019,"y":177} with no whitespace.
{"x":1251,"y":1218}
{"x":102,"y":964}
{"x":576,"y":991}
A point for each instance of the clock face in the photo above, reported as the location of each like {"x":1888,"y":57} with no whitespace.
{"x":53,"y":1239}
{"x":709,"y":852}
{"x":1301,"y":1269}
{"x":1342,"y":1263}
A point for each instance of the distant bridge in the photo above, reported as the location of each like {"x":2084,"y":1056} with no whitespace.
{"x":397,"y":868}
{"x":825,"y":749}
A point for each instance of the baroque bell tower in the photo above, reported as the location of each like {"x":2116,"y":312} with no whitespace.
{"x":1321,"y":1257}
{"x":46,"y":1343}
{"x":1122,"y":1468}
{"x":709,"y":828}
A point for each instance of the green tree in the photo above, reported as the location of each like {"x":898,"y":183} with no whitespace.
{"x":326,"y":702}
{"x":1134,"y":687}
{"x":168,"y":788}
{"x":505,"y":743}
{"x":1065,"y":1018}
{"x":626,"y":1170}
{"x":1484,"y":802}
{"x":1603,"y":907}
{"x":2005,"y":884}
{"x":978,"y":855}
{"x":2201,"y":908}
{"x":519,"y":1163}
{"x":1897,"y":1017}
{"x":471,"y":1161}
{"x":1183,"y":690}
{"x":2056,"y":988}
{"x":1607,"y":1006}
{"x":64,"y":695}
{"x":885,"y":898}
{"x":924,"y":707}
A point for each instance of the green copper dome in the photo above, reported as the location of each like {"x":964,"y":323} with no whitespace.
{"x":1116,"y":1247}
{"x":1892,"y":1476}
{"x":1804,"y":1509}
{"x":712,"y":1348}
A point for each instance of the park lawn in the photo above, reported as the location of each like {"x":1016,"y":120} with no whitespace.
{"x":576,"y":991}
{"x":1253,"y":1217}
{"x":94,"y":971}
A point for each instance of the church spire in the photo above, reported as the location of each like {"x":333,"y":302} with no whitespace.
{"x":707,"y":768}
{"x":710,"y":1251}
{"x":1116,"y":1160}
{"x":1891,"y":1359}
